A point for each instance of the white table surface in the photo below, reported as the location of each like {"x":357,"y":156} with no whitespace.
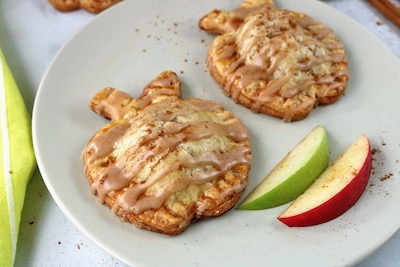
{"x":31,"y":32}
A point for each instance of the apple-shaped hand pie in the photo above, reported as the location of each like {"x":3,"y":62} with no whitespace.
{"x":278,"y":62}
{"x":164,"y":162}
{"x":94,"y":6}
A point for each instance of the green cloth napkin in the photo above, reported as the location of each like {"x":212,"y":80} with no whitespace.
{"x":17,"y":161}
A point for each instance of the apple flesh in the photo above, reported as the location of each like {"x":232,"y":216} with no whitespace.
{"x":336,"y":190}
{"x":293,"y":175}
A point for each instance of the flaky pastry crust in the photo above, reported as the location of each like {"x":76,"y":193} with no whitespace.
{"x":164,"y":162}
{"x":94,"y":6}
{"x":278,"y":62}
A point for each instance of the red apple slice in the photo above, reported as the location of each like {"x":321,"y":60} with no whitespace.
{"x":336,"y":190}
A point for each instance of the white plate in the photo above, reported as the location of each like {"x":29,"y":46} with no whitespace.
{"x":131,"y":43}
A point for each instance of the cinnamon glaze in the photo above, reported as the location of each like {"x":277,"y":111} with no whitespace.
{"x":274,"y":56}
{"x":166,"y":146}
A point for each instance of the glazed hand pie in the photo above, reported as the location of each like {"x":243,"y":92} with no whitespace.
{"x":94,"y":6}
{"x":278,"y":62}
{"x":164,"y":162}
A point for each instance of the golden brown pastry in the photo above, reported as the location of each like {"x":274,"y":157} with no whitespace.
{"x":65,"y":5}
{"x":164,"y":162}
{"x":222,"y":21}
{"x":94,"y":6}
{"x":278,"y":62}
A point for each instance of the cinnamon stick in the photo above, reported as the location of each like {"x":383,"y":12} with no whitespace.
{"x":388,"y":9}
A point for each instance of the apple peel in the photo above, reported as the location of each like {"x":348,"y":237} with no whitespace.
{"x":337,"y":189}
{"x":293,"y":174}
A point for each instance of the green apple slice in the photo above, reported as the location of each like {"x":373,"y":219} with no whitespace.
{"x":293,"y":175}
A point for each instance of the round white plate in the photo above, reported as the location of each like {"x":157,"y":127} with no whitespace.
{"x":128,"y":45}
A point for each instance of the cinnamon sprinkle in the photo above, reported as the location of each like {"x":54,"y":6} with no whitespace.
{"x":388,"y":9}
{"x":386,"y":176}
